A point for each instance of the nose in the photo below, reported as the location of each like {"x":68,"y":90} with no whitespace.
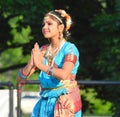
{"x":44,"y":26}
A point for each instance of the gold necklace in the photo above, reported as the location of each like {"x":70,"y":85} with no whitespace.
{"x":50,"y":55}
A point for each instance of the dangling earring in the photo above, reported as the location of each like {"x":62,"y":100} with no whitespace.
{"x":60,"y":35}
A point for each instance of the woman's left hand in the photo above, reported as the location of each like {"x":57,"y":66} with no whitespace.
{"x":37,"y":55}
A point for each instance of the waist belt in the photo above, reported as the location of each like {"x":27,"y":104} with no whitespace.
{"x":63,"y":86}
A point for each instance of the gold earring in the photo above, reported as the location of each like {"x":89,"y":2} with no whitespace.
{"x":60,"y":35}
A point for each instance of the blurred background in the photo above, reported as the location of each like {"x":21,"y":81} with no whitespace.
{"x":96,"y":33}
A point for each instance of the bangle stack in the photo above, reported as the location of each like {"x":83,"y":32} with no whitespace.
{"x":22,"y":74}
{"x":50,"y":71}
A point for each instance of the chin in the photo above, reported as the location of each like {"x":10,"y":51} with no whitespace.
{"x":47,"y":36}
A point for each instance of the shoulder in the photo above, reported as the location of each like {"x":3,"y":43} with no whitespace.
{"x":70,"y":45}
{"x":70,"y":48}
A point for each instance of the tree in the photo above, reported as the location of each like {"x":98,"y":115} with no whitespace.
{"x":20,"y":23}
{"x":95,"y":32}
{"x":108,"y":26}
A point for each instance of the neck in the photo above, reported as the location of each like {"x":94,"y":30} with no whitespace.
{"x":56,"y":43}
{"x":51,"y":52}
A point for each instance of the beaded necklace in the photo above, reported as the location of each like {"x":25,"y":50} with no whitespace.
{"x":50,"y":56}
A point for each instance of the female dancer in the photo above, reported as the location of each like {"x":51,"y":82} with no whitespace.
{"x":58,"y":62}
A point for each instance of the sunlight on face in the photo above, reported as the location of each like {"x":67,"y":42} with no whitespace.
{"x":50,"y":27}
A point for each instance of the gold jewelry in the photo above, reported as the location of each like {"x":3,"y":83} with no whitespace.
{"x":60,"y":35}
{"x":50,"y":56}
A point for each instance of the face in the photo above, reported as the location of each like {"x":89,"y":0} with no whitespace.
{"x":50,"y":28}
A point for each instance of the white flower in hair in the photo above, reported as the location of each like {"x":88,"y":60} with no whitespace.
{"x":67,"y":17}
{"x":63,"y":14}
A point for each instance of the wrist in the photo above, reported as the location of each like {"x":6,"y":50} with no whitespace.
{"x":42,"y":67}
{"x":30,"y":64}
{"x":50,"y":71}
{"x":26,"y":70}
{"x":22,"y":74}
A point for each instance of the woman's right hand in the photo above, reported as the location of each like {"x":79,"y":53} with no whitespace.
{"x":28,"y":69}
{"x":37,"y":56}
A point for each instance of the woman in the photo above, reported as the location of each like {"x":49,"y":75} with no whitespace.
{"x":58,"y":62}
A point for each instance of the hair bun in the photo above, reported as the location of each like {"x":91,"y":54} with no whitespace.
{"x":67,"y":18}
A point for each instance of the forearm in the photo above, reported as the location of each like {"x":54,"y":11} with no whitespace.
{"x":25,"y":72}
{"x":27,"y":68}
{"x":19,"y":79}
{"x":59,"y":73}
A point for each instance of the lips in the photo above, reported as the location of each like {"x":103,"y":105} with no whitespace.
{"x":45,"y":32}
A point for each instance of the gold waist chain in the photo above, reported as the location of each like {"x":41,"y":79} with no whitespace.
{"x":63,"y":86}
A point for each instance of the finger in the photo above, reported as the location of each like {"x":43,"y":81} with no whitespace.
{"x":31,"y":54}
{"x":36,"y":45}
{"x":33,"y":50}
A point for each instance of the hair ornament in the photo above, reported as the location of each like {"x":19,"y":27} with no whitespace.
{"x":55,"y":17}
{"x":67,"y":17}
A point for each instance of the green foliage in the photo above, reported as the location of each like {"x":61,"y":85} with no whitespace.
{"x":96,"y":105}
{"x":22,"y":35}
{"x":8,"y":54}
{"x":117,"y":6}
{"x":96,"y":34}
{"x":20,"y":21}
{"x":108,"y":60}
{"x":107,"y":23}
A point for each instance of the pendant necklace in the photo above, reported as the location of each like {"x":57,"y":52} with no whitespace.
{"x":50,"y":56}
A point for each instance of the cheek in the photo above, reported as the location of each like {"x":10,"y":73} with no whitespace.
{"x":55,"y":29}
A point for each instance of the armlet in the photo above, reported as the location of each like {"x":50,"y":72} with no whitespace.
{"x":70,"y":58}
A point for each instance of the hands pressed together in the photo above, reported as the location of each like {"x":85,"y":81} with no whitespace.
{"x":36,"y":61}
{"x":36,"y":56}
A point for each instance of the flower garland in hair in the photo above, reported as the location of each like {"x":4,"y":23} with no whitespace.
{"x":67,"y":17}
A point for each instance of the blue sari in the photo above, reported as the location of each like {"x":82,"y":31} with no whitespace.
{"x":55,"y":93}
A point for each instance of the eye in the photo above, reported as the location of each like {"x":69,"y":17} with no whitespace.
{"x":49,"y":23}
